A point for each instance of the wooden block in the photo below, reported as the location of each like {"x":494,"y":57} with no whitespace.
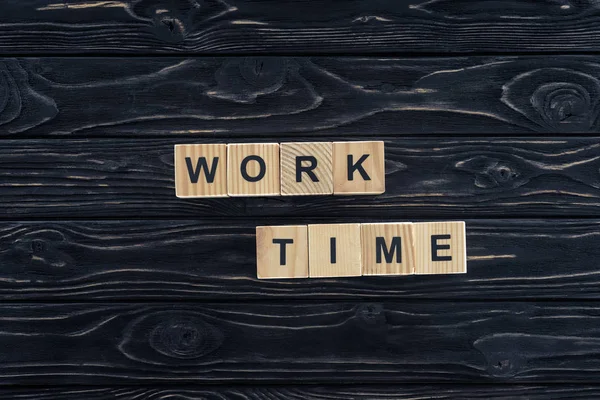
{"x":334,"y":250}
{"x":358,"y":168}
{"x":282,"y":251}
{"x":440,"y":248}
{"x":253,"y":169}
{"x":200,"y":170}
{"x":388,"y":249}
{"x":306,"y":168}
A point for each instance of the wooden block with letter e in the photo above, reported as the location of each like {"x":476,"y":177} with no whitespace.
{"x":306,"y":168}
{"x":334,"y":250}
{"x":200,"y":170}
{"x":358,"y":168}
{"x":440,"y":248}
{"x":388,"y":249}
{"x":282,"y":251}
{"x":253,"y":169}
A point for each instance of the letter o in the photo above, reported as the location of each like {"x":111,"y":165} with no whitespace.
{"x":244,"y":168}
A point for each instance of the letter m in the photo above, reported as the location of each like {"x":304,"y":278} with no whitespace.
{"x":388,"y":254}
{"x":200,"y":165}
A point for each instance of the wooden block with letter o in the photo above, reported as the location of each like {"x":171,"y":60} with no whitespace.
{"x":358,"y":168}
{"x":200,"y":170}
{"x":282,"y":252}
{"x":334,"y":250}
{"x":440,"y":248}
{"x":306,"y":168}
{"x":388,"y":249}
{"x":253,"y":169}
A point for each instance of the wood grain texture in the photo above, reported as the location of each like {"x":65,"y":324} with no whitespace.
{"x":432,"y":179}
{"x":427,"y":342}
{"x":316,"y":179}
{"x":398,"y":244}
{"x":200,"y":170}
{"x":334,"y":250}
{"x":308,"y":392}
{"x":271,"y":250}
{"x":324,"y":26}
{"x":216,"y":260}
{"x":286,"y":96}
{"x":444,"y":254}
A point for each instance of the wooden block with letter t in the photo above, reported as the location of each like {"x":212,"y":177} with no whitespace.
{"x":306,"y":168}
{"x":440,"y":248}
{"x":358,"y":168}
{"x":388,"y":249}
{"x":282,"y":252}
{"x":334,"y":250}
{"x":200,"y":170}
{"x":253,"y":169}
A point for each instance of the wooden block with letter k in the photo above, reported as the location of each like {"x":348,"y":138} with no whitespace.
{"x":200,"y":170}
{"x":358,"y":168}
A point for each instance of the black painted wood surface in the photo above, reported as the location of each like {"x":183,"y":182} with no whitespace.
{"x":429,"y":178}
{"x":308,"y":392}
{"x":111,"y":287}
{"x":228,"y":97}
{"x":321,"y":26}
{"x":200,"y":260}
{"x":293,"y":342}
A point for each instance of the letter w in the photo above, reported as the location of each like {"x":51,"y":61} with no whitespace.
{"x":202,"y":164}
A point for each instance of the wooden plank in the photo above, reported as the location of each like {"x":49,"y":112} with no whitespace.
{"x":324,"y":26}
{"x":433,"y":179}
{"x":216,"y":260}
{"x":291,"y":342}
{"x":285,"y":96}
{"x":308,"y":392}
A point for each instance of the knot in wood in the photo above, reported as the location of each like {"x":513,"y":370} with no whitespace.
{"x":371,"y":314}
{"x":490,"y":172}
{"x":558,"y":99}
{"x":185,"y":337}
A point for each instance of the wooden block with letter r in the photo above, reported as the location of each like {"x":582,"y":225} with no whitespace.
{"x":306,"y":168}
{"x":358,"y":168}
{"x":334,"y":250}
{"x":253,"y":169}
{"x":282,"y":252}
{"x":440,"y":248}
{"x":388,"y":249}
{"x":200,"y":170}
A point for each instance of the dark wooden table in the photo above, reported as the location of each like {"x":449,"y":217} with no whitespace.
{"x":113,"y":288}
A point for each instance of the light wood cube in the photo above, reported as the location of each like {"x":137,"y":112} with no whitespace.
{"x":388,"y":249}
{"x":440,"y":248}
{"x":358,"y":168}
{"x":306,"y":168}
{"x":282,"y":252}
{"x":253,"y":169}
{"x":200,"y":170}
{"x":334,"y":250}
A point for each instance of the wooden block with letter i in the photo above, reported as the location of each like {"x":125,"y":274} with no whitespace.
{"x":388,"y":249}
{"x":358,"y":168}
{"x":253,"y":169}
{"x":200,"y":170}
{"x":440,"y":248}
{"x":306,"y":168}
{"x":334,"y":250}
{"x":282,"y":252}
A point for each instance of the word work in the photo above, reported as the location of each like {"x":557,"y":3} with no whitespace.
{"x":273,"y":169}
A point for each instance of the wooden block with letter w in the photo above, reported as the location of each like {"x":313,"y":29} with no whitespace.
{"x":200,"y":170}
